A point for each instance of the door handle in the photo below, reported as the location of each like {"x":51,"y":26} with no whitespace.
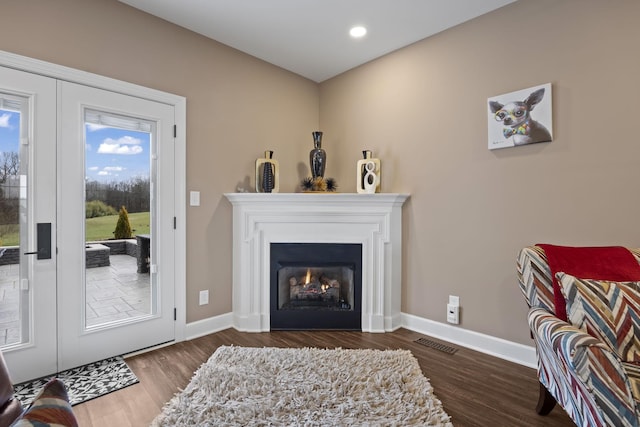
{"x":43,"y":238}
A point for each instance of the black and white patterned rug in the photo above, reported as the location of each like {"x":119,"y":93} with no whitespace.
{"x":84,"y":383}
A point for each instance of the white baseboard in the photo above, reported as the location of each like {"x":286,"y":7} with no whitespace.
{"x":498,"y":347}
{"x":208,"y":326}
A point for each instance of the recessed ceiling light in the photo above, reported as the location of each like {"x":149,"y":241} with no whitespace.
{"x":358,"y":32}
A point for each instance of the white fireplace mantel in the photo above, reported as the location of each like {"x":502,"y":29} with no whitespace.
{"x":373,"y":220}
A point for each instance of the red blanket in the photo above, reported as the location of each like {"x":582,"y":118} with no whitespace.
{"x":613,"y":263}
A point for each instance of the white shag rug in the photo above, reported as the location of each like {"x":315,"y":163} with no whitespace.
{"x":241,"y":386}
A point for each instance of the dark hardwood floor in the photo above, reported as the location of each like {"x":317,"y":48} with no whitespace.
{"x":475,"y":389}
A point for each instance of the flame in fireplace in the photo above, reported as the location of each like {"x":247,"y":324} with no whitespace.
{"x":308,"y":278}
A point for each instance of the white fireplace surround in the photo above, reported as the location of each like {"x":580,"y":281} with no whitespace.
{"x":373,"y":220}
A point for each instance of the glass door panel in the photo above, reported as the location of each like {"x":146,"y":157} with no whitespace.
{"x":118,"y":218}
{"x":14,"y":304}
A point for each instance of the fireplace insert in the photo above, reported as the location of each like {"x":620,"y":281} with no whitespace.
{"x":316,"y":286}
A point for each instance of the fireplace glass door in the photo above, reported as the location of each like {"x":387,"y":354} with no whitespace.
{"x":316,"y":286}
{"x":328,"y":288}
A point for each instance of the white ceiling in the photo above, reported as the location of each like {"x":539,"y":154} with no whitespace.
{"x":311,"y":37}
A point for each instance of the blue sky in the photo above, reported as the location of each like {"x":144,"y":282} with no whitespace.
{"x":111,"y":154}
{"x":116,"y":154}
{"x":9,"y":130}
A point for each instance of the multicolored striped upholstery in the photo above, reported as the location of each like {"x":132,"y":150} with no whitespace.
{"x":585,"y":376}
{"x":50,"y":407}
{"x":606,"y":310}
{"x":534,"y":277}
{"x":633,"y":373}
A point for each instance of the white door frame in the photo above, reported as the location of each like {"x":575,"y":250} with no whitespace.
{"x":60,"y":72}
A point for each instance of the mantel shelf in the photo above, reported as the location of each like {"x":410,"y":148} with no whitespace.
{"x":305,"y":199}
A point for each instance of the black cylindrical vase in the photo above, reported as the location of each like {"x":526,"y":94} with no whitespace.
{"x":268,"y":180}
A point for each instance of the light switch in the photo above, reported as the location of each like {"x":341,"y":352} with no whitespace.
{"x":194,"y":198}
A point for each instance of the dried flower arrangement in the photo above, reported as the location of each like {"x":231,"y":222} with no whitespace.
{"x":319,"y":184}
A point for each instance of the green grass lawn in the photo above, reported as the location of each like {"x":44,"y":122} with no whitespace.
{"x":100,"y":228}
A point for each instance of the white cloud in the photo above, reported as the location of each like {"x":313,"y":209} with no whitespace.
{"x":125,"y":140}
{"x":126,"y":145}
{"x":4,"y":120}
{"x":107,"y":148}
{"x":107,"y":170}
{"x":94,"y":127}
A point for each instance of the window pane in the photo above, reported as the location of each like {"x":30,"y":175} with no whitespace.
{"x":14,"y":303}
{"x":118,"y":183}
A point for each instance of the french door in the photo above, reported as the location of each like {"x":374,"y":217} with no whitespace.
{"x":70,"y":312}
{"x":141,"y":304}
{"x":28,"y":197}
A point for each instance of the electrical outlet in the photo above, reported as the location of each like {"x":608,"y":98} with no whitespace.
{"x":453,"y":314}
{"x":453,"y":310}
{"x":204,"y":297}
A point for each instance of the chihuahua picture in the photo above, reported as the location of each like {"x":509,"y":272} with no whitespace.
{"x":518,"y":126}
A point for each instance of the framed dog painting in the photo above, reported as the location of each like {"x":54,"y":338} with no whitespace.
{"x":520,"y":117}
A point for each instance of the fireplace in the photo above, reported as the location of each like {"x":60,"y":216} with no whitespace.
{"x":316,"y":286}
{"x":372,"y":221}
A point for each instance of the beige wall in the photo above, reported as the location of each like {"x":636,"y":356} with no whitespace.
{"x":237,"y":107}
{"x":423,"y":111}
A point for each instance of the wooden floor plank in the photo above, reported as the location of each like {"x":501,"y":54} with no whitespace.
{"x":476,"y":389}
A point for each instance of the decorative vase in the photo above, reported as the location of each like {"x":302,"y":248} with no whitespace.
{"x":366,"y":154}
{"x":317,"y":156}
{"x":267,"y":177}
{"x":368,"y":174}
{"x":267,"y":174}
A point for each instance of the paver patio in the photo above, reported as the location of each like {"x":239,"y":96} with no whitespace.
{"x":114,"y":293}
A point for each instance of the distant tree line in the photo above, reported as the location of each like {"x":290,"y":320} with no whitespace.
{"x":9,"y":187}
{"x":134,"y":193}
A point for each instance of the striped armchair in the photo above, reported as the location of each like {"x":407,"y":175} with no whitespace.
{"x":582,"y":373}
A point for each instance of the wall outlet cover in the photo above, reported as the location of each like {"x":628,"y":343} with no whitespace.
{"x":194,"y":198}
{"x":453,"y":314}
{"x":204,"y":297}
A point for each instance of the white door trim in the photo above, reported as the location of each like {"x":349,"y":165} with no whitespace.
{"x":60,"y":72}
